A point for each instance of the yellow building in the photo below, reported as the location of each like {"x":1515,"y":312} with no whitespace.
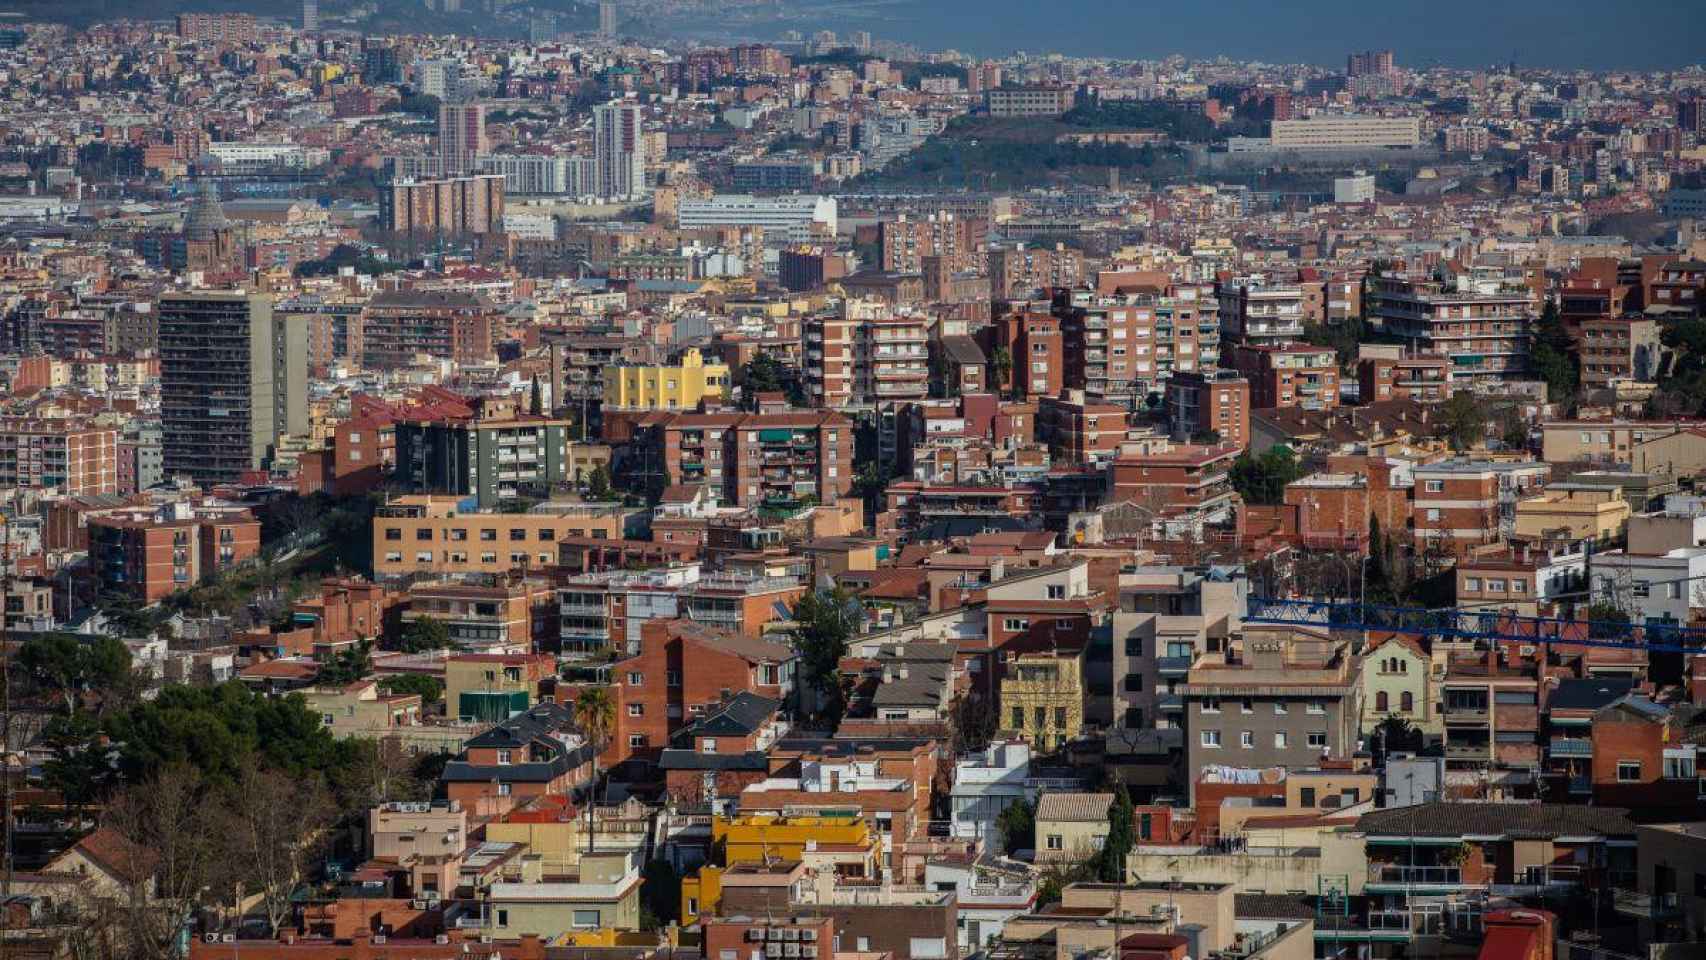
{"x":1581,"y":511}
{"x":1398,"y":679}
{"x":1042,"y":697}
{"x":549,"y":832}
{"x":666,"y":388}
{"x":762,"y":837}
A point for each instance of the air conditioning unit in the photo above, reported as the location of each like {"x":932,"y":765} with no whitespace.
{"x":790,"y":933}
{"x":379,"y":938}
{"x":754,"y":934}
{"x":441,"y":939}
{"x":228,"y":938}
{"x":808,"y":950}
{"x":210,"y":938}
{"x":808,"y":934}
{"x":417,"y":904}
{"x":774,"y":933}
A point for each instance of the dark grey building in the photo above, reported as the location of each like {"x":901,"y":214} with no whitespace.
{"x":490,"y":460}
{"x":233,"y":380}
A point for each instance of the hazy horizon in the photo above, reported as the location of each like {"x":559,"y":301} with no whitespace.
{"x":1658,"y":34}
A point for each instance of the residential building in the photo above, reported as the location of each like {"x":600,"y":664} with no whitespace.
{"x":1042,"y":697}
{"x":1019,"y":271}
{"x":1274,"y":697}
{"x":419,"y":534}
{"x":1527,"y":579}
{"x":1400,"y":679}
{"x":1209,"y":406}
{"x":1386,"y":371}
{"x":1167,"y":616}
{"x":906,"y":242}
{"x":1258,"y":313}
{"x":1572,"y":511}
{"x":400,"y":326}
{"x":1071,"y":826}
{"x":526,"y":754}
{"x":603,"y":893}
{"x":148,"y":554}
{"x":1079,"y":430}
{"x":1491,"y":707}
{"x":494,"y":686}
{"x":1461,"y":504}
{"x":490,"y":457}
{"x":509,"y":614}
{"x":1042,"y":101}
{"x":683,"y":670}
{"x":66,"y":457}
{"x":461,"y":137}
{"x":619,"y":150}
{"x":453,"y":206}
{"x":1602,"y":441}
{"x":1346,"y":132}
{"x":682,"y":386}
{"x":1171,"y":480}
{"x":1655,"y":588}
{"x":748,"y":459}
{"x":1288,"y":375}
{"x":1483,"y":328}
{"x":233,"y":381}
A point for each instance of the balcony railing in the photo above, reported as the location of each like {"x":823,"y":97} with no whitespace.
{"x":1572,"y":748}
{"x":1398,"y":875}
{"x":1468,"y":751}
{"x":1173,"y":665}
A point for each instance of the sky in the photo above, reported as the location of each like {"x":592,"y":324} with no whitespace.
{"x":1593,"y":34}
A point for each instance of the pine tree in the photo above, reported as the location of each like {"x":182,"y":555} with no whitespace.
{"x":1110,"y":863}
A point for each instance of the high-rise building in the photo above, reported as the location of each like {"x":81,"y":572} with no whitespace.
{"x":233,"y":380}
{"x":618,"y":149}
{"x":1370,"y":63}
{"x":461,"y":137}
{"x":310,"y":15}
{"x":607,"y":19}
{"x":458,"y":205}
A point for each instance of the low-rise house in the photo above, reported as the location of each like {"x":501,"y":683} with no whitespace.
{"x":526,"y":756}
{"x":604,"y":892}
{"x":1071,"y":827}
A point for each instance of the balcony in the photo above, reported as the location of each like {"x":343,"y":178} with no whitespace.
{"x":1170,"y":702}
{"x":1173,"y":666}
{"x":1659,"y":906}
{"x":1571,"y":748}
{"x":581,"y":609}
{"x":1395,"y":878}
{"x":1466,"y":714}
{"x":1460,"y":750}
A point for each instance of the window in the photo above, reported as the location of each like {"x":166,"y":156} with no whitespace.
{"x":392,"y":533}
{"x":586,"y":919}
{"x":489,"y":535}
{"x":1679,"y":767}
{"x":1056,"y":592}
{"x":1279,"y":709}
{"x":1018,"y":718}
{"x":1060,"y":718}
{"x":636,"y":678}
{"x":503,"y":789}
{"x":1318,"y":739}
{"x":1433,"y":516}
{"x":929,"y":948}
{"x":636,"y":709}
{"x":503,"y":918}
{"x":672,"y":677}
{"x":1211,"y":738}
{"x":1317,"y":707}
{"x":423,"y":534}
{"x":1247,"y":739}
{"x":1435,"y":486}
{"x":1407,"y":702}
{"x":1211,"y":706}
{"x":1472,"y":584}
{"x":1134,"y":683}
{"x":1134,"y":646}
{"x":504,"y":756}
{"x":1306,"y":796}
{"x":1040,"y":715}
{"x":708,"y":745}
{"x":1247,"y":706}
{"x":517,"y":533}
{"x":636,"y":739}
{"x":1381,"y":703}
{"x":1056,"y":842}
{"x":1628,"y":771}
{"x":1281,"y":741}
{"x":1015,"y":624}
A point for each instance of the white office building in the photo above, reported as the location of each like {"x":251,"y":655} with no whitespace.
{"x":1355,"y":189}
{"x":787,"y":219}
{"x":543,"y":174}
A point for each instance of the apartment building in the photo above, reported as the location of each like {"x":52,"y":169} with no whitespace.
{"x":1201,"y":404}
{"x":906,"y":242}
{"x":1346,"y":132}
{"x":1280,"y":697}
{"x":1462,"y":504}
{"x":748,"y":459}
{"x":800,"y":218}
{"x":891,"y":359}
{"x":1484,"y":328}
{"x":681,"y":386}
{"x":495,"y":686}
{"x":1388,"y":372}
{"x":683,"y":670}
{"x":1491,"y":706}
{"x":1122,"y":348}
{"x":1288,"y":375}
{"x":421,"y":534}
{"x":507,"y":614}
{"x":1034,"y":344}
{"x":398,"y":327}
{"x":1400,"y":679}
{"x":1167,"y":617}
{"x":149,"y":554}
{"x":1526,"y":579}
{"x":1019,"y":271}
{"x":1602,"y":441}
{"x":1258,"y":313}
{"x":1079,"y":430}
{"x":233,"y":381}
{"x":455,"y":206}
{"x":1071,"y":826}
{"x":1170,"y":479}
{"x":489,"y":454}
{"x":830,"y":350}
{"x":1573,"y":511}
{"x":66,"y":457}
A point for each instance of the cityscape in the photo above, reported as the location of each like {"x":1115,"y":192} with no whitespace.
{"x":503,"y":479}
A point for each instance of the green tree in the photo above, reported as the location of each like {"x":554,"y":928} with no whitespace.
{"x":536,"y":399}
{"x":424,"y":634}
{"x":766,"y":374}
{"x":1398,"y":735}
{"x":1465,"y":421}
{"x":348,"y":665}
{"x":824,"y":622}
{"x":1555,"y":356}
{"x":1002,"y":365}
{"x":80,"y":765}
{"x":65,"y":666}
{"x":595,"y":716}
{"x":1110,"y":861}
{"x":1607,"y":620}
{"x":1018,"y":827}
{"x":429,"y":689}
{"x":598,"y":484}
{"x":1263,"y":479}
{"x":660,"y":891}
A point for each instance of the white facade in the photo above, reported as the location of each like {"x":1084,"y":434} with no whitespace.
{"x":543,"y":173}
{"x":1357,"y":189}
{"x":1650,"y":587}
{"x":619,"y":150}
{"x":789,"y":219}
{"x":1346,"y":133}
{"x":986,"y":784}
{"x":236,"y":155}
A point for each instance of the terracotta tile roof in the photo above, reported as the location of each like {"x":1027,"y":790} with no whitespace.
{"x":1079,"y":807}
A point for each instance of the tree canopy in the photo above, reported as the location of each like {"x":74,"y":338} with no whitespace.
{"x":1263,"y":479}
{"x":824,"y":622}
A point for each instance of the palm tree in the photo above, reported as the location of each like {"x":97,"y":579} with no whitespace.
{"x":595,"y":716}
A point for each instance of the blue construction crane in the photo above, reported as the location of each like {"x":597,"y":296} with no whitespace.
{"x":1491,"y":625}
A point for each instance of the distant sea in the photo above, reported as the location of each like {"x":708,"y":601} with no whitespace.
{"x":1560,"y":34}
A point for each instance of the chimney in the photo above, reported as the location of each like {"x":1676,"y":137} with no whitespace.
{"x":903,"y":672}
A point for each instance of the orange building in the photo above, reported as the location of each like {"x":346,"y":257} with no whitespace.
{"x":149,"y":555}
{"x":70,"y":457}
